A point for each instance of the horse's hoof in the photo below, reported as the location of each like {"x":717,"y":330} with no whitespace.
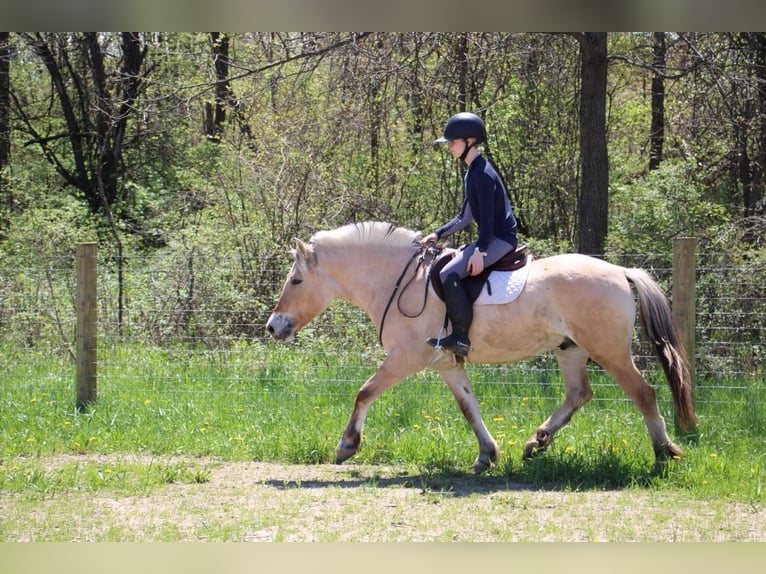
{"x":481,"y":466}
{"x":343,"y":454}
{"x":532,"y":449}
{"x":667,"y":452}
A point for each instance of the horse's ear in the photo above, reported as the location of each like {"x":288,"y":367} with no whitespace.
{"x":304,"y":251}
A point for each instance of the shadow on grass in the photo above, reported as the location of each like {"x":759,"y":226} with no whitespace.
{"x":541,"y":473}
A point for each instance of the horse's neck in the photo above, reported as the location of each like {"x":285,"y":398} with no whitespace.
{"x":366,"y":279}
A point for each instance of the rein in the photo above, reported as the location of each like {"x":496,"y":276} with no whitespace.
{"x":421,"y":254}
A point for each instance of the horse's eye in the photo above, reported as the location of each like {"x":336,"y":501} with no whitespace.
{"x":296,"y":281}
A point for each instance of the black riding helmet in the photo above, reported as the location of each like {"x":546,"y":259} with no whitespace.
{"x":462,"y":126}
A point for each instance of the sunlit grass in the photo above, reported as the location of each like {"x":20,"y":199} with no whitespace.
{"x":289,"y":405}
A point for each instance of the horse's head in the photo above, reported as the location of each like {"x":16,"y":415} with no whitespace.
{"x":307,"y":292}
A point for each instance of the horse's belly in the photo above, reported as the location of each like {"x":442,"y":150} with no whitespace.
{"x":507,"y":336}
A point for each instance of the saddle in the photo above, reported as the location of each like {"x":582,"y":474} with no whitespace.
{"x":475,"y":283}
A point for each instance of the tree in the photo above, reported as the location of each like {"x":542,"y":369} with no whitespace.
{"x":593,"y":203}
{"x":6,"y":198}
{"x":96,"y":103}
{"x":657,"y":130}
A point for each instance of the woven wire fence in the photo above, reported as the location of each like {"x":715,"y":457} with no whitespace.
{"x":204,"y":308}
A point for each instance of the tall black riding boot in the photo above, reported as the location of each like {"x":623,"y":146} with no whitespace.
{"x":460,"y":313}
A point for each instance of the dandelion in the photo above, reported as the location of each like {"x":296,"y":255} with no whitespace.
{"x":31,"y":440}
{"x":416,"y":426}
{"x":147,"y":402}
{"x":498,"y":419}
{"x":569,"y":450}
{"x":237,"y":438}
{"x":92,"y":439}
{"x":713,"y":455}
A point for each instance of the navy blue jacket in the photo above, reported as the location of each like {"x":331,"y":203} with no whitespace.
{"x":487,"y":203}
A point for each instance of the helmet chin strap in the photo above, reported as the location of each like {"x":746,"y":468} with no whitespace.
{"x":468,"y":147}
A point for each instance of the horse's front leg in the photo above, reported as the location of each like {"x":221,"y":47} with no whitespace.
{"x":461,"y":388}
{"x":388,"y":375}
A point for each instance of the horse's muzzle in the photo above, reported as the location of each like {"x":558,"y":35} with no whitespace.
{"x":281,"y":327}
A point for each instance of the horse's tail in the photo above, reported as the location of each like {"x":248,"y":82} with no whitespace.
{"x":657,"y":320}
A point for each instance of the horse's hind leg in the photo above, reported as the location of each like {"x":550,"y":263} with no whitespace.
{"x":461,"y":388}
{"x":573,"y":364}
{"x":643,"y":395}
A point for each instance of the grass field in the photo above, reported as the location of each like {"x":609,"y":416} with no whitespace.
{"x":180,"y":410}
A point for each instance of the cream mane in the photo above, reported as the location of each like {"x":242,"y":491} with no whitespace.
{"x":366,"y":233}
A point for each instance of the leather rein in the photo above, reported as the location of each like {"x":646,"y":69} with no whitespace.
{"x":421,"y":255}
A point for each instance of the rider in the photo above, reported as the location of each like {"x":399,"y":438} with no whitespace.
{"x":487,"y":203}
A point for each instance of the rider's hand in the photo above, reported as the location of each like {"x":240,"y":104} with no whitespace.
{"x":475,"y":263}
{"x":428,"y":239}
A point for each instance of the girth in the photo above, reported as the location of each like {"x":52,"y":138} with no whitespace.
{"x":474,"y":283}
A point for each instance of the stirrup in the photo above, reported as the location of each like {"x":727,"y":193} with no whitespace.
{"x":451,"y":343}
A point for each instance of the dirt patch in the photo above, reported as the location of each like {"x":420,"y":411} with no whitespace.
{"x":256,"y":501}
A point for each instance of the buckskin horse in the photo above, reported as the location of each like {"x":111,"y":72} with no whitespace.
{"x":576,"y":306}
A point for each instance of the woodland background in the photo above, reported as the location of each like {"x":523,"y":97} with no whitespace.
{"x":218,"y":147}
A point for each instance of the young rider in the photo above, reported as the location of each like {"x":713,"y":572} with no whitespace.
{"x":487,"y":203}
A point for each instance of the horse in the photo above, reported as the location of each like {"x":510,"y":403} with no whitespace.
{"x":576,"y":306}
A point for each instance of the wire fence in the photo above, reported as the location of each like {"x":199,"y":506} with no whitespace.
{"x":209,"y":309}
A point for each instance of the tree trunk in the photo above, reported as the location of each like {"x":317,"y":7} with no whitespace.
{"x":657,"y":131}
{"x":593,"y":202}
{"x":755,"y":205}
{"x":6,"y":198}
{"x":217,"y":115}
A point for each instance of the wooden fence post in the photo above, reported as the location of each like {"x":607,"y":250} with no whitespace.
{"x":87,"y":325}
{"x":684,"y":296}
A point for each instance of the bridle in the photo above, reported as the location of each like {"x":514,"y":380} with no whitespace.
{"x":421,"y":255}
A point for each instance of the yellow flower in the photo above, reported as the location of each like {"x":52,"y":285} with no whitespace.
{"x":498,"y":419}
{"x":31,"y":439}
{"x":713,"y":455}
{"x":147,"y":402}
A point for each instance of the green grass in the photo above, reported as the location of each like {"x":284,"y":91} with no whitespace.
{"x":289,"y":404}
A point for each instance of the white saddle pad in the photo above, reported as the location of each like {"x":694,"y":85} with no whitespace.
{"x":504,"y":286}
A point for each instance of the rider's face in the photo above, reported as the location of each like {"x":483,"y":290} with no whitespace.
{"x":456,"y":147}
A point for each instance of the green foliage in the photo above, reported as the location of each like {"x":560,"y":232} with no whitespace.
{"x":647,"y":214}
